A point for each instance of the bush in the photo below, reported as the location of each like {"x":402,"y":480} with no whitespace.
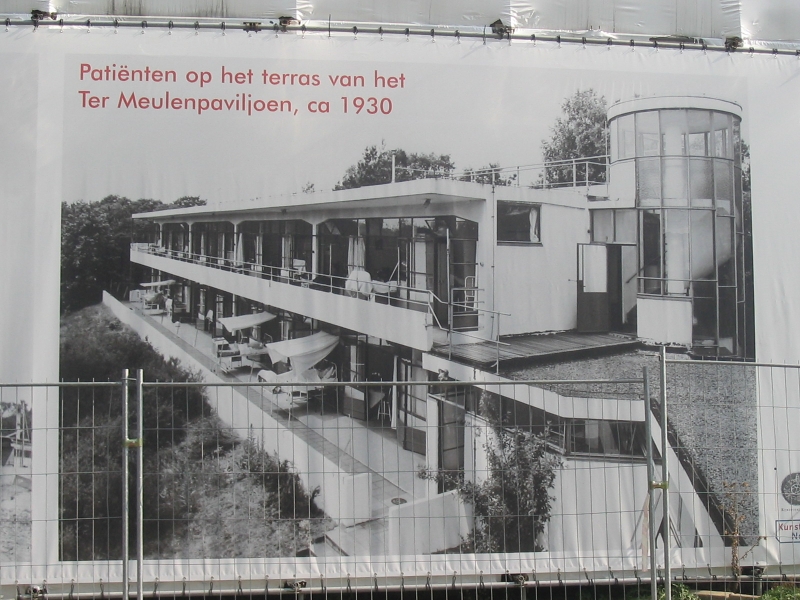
{"x":782,"y":592}
{"x":511,"y":507}
{"x":679,"y":592}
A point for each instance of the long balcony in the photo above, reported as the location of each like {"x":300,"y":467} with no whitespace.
{"x":382,"y":309}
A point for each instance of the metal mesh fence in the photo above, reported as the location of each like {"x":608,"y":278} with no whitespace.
{"x":253,"y":487}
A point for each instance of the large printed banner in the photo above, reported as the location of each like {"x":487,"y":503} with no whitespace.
{"x":390,"y":215}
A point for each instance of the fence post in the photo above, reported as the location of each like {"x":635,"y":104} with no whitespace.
{"x":125,"y":488}
{"x":450,"y":324}
{"x":139,"y":484}
{"x":651,"y":526}
{"x":497,"y":346}
{"x":665,"y":476}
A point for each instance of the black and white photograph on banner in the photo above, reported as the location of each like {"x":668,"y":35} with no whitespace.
{"x":15,"y":479}
{"x":287,"y":224}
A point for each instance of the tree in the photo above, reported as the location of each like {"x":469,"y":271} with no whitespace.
{"x":581,"y":133}
{"x":745,"y":167}
{"x":186,"y":202}
{"x":492,"y":174}
{"x":511,"y":507}
{"x":375,"y":167}
{"x":95,"y":245}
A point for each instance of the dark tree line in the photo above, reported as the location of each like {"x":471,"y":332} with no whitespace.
{"x":95,"y":246}
{"x":375,"y":168}
{"x":580,"y":133}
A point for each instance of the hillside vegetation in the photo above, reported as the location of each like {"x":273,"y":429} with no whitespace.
{"x":207,"y":494}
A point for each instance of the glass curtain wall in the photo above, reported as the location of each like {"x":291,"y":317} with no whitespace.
{"x":407,"y":252}
{"x":690,"y":224}
{"x":277,"y":245}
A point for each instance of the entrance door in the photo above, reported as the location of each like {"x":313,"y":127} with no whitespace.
{"x":622,"y":287}
{"x":593,"y":288}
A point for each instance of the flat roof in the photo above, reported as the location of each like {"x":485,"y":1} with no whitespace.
{"x":402,"y":193}
{"x":666,"y":102}
{"x":418,"y":192}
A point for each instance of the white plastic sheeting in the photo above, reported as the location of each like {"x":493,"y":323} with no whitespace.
{"x":245,"y":321}
{"x":765,"y":20}
{"x":771,"y":20}
{"x":757,"y":19}
{"x":303,"y":352}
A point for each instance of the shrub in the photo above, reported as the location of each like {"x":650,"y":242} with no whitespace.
{"x":512,"y":506}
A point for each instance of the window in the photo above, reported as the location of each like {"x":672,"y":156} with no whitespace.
{"x":563,"y":435}
{"x":613,"y":226}
{"x":647,"y":134}
{"x":518,"y":222}
{"x":627,"y":137}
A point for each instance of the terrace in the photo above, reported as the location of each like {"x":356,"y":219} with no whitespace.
{"x":366,"y":451}
{"x":346,"y":302}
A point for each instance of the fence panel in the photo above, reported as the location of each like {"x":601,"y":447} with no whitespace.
{"x":256,"y":486}
{"x":733,"y":428}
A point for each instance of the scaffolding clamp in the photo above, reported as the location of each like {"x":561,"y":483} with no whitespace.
{"x":133,"y":443}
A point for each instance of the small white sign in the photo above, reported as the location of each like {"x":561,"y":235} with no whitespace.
{"x":787,"y":531}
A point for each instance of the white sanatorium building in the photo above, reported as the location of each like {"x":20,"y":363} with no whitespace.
{"x":420,"y":280}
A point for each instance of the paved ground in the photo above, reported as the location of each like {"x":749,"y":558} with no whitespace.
{"x":355,"y":446}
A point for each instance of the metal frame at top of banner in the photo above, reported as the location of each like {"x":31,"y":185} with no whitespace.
{"x":495,"y":32}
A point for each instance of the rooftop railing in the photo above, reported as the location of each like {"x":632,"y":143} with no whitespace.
{"x":570,"y":172}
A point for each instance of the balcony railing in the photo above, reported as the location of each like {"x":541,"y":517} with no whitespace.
{"x":360,"y":286}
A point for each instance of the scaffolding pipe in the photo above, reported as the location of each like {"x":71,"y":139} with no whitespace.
{"x":651,"y":526}
{"x":139,"y":483}
{"x":125,"y":487}
{"x":665,"y":477}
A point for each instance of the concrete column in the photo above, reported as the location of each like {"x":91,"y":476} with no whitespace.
{"x":187,"y":237}
{"x":313,"y":267}
{"x":259,"y":260}
{"x":238,"y":248}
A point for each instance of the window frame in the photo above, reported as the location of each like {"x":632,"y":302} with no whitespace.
{"x":530,"y":206}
